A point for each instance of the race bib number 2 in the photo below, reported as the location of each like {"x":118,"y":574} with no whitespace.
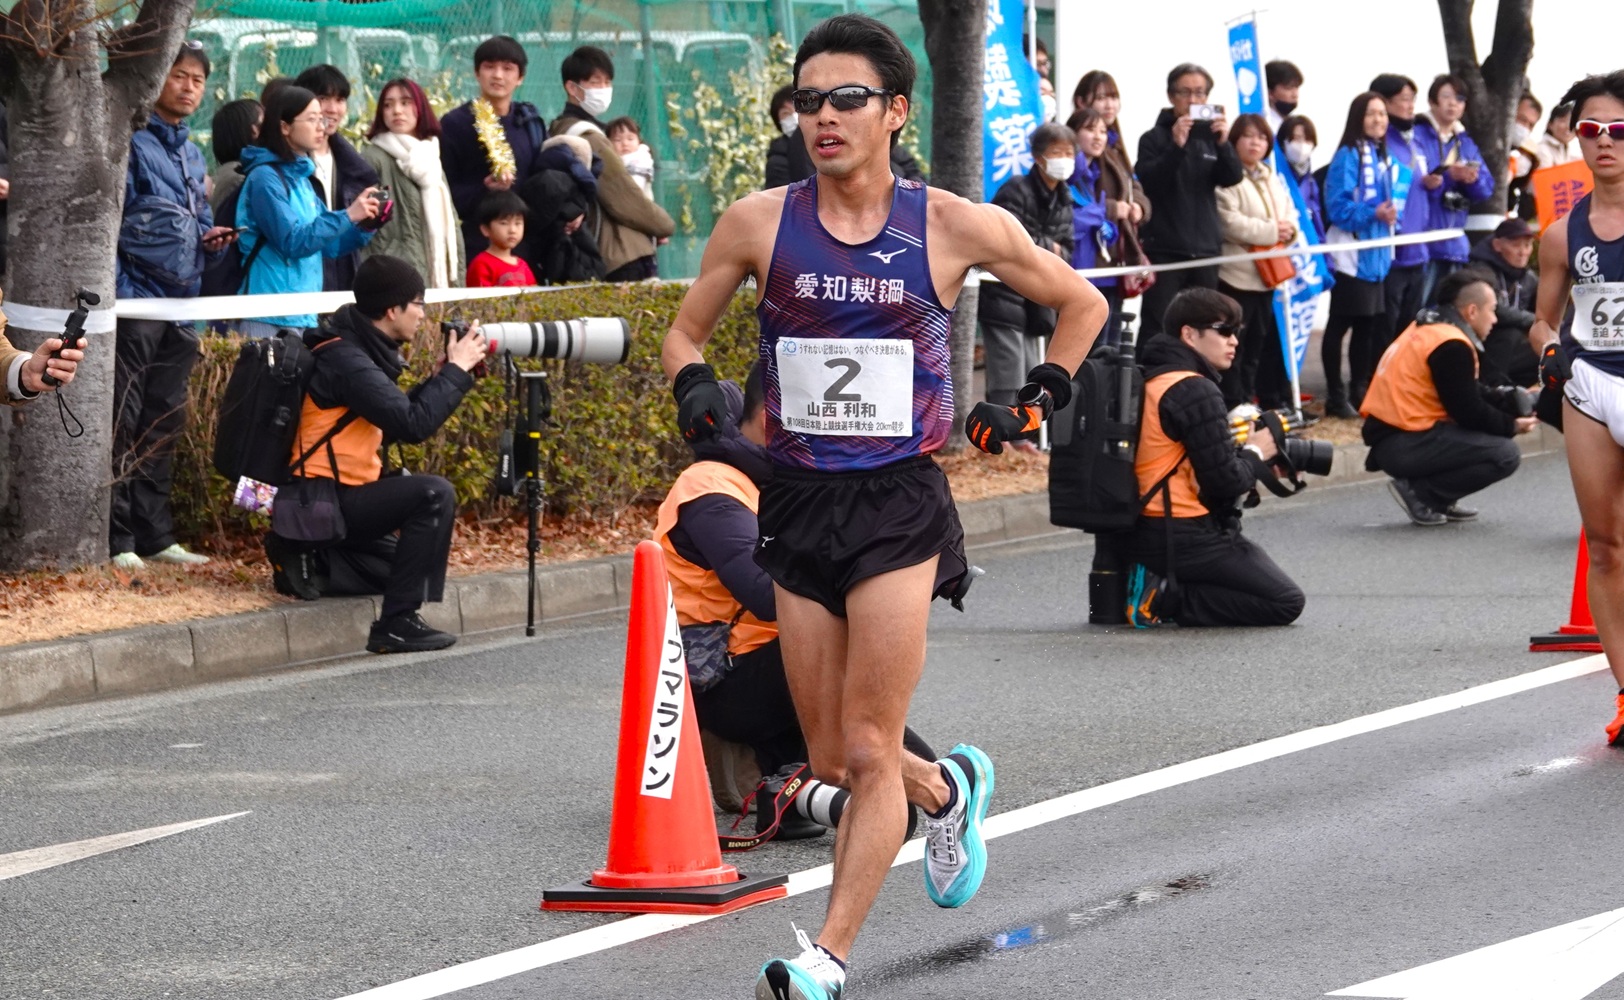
{"x":1598,"y":315}
{"x":846,"y":388}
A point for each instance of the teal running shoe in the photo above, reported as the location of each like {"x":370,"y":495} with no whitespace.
{"x":955,"y":853}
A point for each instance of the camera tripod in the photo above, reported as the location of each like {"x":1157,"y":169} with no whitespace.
{"x":538,"y":409}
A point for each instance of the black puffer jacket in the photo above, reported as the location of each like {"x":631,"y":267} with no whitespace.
{"x":1046,"y":216}
{"x":1507,"y":358}
{"x":1193,"y":413}
{"x":1180,"y":181}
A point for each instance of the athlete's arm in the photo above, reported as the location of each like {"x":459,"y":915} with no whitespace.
{"x":731,"y":255}
{"x":992,"y":238}
{"x":1554,"y":283}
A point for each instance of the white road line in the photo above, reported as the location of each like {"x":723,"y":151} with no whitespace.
{"x":613,"y":935}
{"x":40,"y":858}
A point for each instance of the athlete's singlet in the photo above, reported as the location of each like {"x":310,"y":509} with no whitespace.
{"x":854,"y":342}
{"x":1594,"y":327}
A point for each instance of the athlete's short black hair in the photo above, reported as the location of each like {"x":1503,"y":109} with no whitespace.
{"x":862,"y":35}
{"x":1282,"y":73}
{"x":579,"y":65}
{"x":1602,"y":85}
{"x":325,"y":80}
{"x":501,"y":205}
{"x":1452,"y":288}
{"x":501,"y":48}
{"x":1200,"y":308}
{"x":1390,"y":85}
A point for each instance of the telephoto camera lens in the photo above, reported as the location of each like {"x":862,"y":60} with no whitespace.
{"x":1310,"y":456}
{"x":598,"y":341}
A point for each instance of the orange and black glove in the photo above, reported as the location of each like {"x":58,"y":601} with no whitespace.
{"x":990,"y":425}
{"x":1554,"y":367}
{"x":701,"y":406}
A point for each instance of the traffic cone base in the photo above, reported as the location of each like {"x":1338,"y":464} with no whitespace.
{"x":1579,"y":634}
{"x":748,"y":890}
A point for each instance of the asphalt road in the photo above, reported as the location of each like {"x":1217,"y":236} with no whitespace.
{"x":405,"y":813}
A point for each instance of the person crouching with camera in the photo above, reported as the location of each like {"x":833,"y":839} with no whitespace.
{"x":1431,"y":425}
{"x":1191,"y":565}
{"x":353,"y":391}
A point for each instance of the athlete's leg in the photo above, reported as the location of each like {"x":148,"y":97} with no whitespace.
{"x":1596,"y":463}
{"x":886,"y":617}
{"x":813,"y":642}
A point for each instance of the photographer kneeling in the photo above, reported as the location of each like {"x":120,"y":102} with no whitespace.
{"x":353,"y":390}
{"x":1430,"y":423}
{"x":1192,"y":565}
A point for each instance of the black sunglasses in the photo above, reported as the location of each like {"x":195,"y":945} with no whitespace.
{"x":807,"y":101}
{"x":1224,"y":329}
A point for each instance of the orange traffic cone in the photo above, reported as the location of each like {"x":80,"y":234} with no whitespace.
{"x":663,"y":850}
{"x":1579,"y":634}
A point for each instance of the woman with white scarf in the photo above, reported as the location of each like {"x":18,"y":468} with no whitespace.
{"x":405,"y":150}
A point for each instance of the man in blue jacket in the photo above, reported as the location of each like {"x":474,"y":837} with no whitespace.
{"x":1456,"y":176}
{"x":168,"y":234}
{"x":1408,"y":278}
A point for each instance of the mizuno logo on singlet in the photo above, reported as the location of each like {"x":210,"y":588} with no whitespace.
{"x":885,"y":258}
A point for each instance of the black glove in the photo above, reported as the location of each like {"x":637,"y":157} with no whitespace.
{"x":701,"y":406}
{"x":990,"y":425}
{"x":1554,"y":367}
{"x":1047,"y":386}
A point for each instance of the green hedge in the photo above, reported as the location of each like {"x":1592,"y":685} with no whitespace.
{"x":613,"y":440}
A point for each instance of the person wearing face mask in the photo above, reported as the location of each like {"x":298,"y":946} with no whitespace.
{"x":1558,"y":146}
{"x":1257,"y":212}
{"x":1046,"y":97}
{"x":622,"y":220}
{"x":1285,"y":82}
{"x":1297,"y":139}
{"x":405,"y":151}
{"x":1457,"y":176}
{"x":788,"y":160}
{"x":1406,"y":281}
{"x":1042,"y":203}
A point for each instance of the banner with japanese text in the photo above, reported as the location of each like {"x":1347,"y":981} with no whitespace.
{"x":1558,"y":189}
{"x":1010,"y":107}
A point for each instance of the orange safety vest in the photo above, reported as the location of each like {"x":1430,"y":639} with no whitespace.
{"x":355,"y":447}
{"x":1402,"y":393}
{"x":699,"y":594}
{"x":1159,"y":454}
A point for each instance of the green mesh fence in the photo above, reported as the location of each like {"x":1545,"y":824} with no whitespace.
{"x":696,"y":74}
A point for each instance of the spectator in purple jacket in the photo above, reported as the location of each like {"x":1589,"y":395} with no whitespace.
{"x":1297,"y":140}
{"x":1406,"y":282}
{"x":1456,"y":175}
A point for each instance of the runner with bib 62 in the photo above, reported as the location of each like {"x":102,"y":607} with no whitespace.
{"x":856,"y":274}
{"x":1581,"y":263}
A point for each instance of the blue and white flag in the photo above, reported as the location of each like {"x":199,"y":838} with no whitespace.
{"x":1296,"y":303}
{"x":1010,"y":105}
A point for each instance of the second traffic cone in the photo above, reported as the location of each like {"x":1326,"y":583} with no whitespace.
{"x":1579,"y":634}
{"x":664,"y":855}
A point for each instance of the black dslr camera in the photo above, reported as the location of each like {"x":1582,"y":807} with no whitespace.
{"x":1294,"y":456}
{"x":1454,"y":201}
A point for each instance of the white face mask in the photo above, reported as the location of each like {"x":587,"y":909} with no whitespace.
{"x":1299,"y":151}
{"x":790,"y":124}
{"x":1519,"y":134}
{"x":1050,"y":107}
{"x":1059,"y":167}
{"x":595,"y":100}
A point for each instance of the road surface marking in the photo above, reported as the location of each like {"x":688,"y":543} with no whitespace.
{"x":40,"y":858}
{"x":1569,"y":962}
{"x":613,"y":935}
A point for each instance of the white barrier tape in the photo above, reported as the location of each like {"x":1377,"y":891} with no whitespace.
{"x":1438,"y":235}
{"x":42,"y":320}
{"x":1487,"y":222}
{"x":229,"y":307}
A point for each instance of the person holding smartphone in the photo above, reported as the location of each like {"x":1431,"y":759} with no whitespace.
{"x":1182,"y":163}
{"x":1456,"y":176}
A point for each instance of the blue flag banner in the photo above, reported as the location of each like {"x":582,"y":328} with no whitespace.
{"x":1296,"y":303}
{"x":1011,"y":108}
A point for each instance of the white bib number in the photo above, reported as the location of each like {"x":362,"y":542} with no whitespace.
{"x":846,"y":388}
{"x":1598,"y":315}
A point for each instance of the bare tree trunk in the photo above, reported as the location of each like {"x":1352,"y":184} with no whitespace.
{"x":70,"y":139}
{"x":955,"y":41}
{"x":1494,"y":86}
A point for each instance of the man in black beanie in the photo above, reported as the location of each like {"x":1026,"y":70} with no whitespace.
{"x":353,"y":410}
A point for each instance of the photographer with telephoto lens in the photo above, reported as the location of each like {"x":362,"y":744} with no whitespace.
{"x":1431,"y":424}
{"x":1192,"y":566}
{"x":352,"y":411}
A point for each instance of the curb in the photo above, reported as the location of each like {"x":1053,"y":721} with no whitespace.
{"x":156,"y":657}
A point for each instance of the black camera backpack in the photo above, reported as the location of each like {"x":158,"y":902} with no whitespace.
{"x":1093,"y":443}
{"x":259,"y":414}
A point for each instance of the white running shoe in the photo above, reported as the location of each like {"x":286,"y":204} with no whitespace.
{"x":129,"y":562}
{"x":813,"y":975}
{"x":178,"y":556}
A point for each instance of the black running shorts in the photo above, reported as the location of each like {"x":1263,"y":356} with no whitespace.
{"x":824,"y":532}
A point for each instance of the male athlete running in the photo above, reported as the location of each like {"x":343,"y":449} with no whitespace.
{"x":1581,"y":260}
{"x":856,"y":273}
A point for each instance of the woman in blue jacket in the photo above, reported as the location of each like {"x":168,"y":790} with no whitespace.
{"x":288,"y":231}
{"x":1098,"y":237}
{"x":1456,"y":177}
{"x":1358,"y":206}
